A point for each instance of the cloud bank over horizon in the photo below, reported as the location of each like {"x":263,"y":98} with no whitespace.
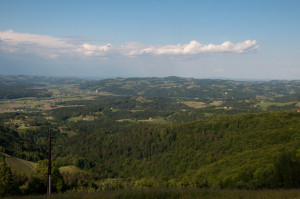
{"x":52,"y":47}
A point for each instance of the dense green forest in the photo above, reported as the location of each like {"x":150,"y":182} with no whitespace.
{"x":149,"y":133}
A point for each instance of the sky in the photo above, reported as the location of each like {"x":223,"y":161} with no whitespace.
{"x":232,"y":39}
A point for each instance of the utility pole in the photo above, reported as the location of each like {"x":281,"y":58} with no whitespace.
{"x":49,"y":163}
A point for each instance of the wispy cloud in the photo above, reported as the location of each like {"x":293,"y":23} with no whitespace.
{"x":195,"y":47}
{"x":52,"y":47}
{"x":42,"y":45}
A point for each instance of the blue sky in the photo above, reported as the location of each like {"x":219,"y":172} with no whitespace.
{"x":202,"y":39}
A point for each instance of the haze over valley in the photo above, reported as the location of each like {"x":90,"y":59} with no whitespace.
{"x":158,"y":99}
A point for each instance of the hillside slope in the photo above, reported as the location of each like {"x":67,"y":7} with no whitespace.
{"x":224,"y":151}
{"x":260,"y":150}
{"x":18,"y":165}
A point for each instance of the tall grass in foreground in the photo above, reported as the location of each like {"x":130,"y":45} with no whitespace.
{"x":176,"y":194}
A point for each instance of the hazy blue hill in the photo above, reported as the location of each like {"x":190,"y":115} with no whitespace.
{"x":190,"y":87}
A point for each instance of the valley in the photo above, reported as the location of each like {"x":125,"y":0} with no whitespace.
{"x":137,"y":133}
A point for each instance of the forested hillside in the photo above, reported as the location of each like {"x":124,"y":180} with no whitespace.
{"x":242,"y":151}
{"x":150,"y":133}
{"x":226,"y":151}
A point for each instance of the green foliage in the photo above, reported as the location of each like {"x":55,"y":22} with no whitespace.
{"x":29,"y":145}
{"x":226,"y":151}
{"x":114,"y":142}
{"x":39,"y":181}
{"x":6,"y":180}
{"x":238,"y":151}
{"x":287,"y":170}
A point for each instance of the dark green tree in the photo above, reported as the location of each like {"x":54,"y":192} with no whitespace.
{"x":6,"y":181}
{"x":287,"y":170}
{"x":38,"y":183}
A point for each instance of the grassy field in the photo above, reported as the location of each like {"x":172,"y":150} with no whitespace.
{"x":155,"y":120}
{"x":85,"y":118}
{"x":150,"y":120}
{"x":194,"y":104}
{"x":216,"y":103}
{"x":127,"y":120}
{"x":177,"y":193}
{"x":69,"y":169}
{"x":208,"y":114}
{"x":18,"y":165}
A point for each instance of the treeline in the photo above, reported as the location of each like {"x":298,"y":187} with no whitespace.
{"x":18,"y":184}
{"x":246,"y":151}
{"x":285,"y":174}
{"x":28,"y":145}
{"x":225,"y":151}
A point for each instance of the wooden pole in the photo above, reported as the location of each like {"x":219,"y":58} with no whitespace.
{"x":49,"y":163}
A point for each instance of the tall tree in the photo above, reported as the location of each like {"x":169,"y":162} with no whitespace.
{"x":6,"y":181}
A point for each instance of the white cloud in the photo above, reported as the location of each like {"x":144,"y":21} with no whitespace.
{"x":42,"y":45}
{"x":15,"y":38}
{"x":52,"y":47}
{"x":94,"y":50}
{"x":195,"y":47}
